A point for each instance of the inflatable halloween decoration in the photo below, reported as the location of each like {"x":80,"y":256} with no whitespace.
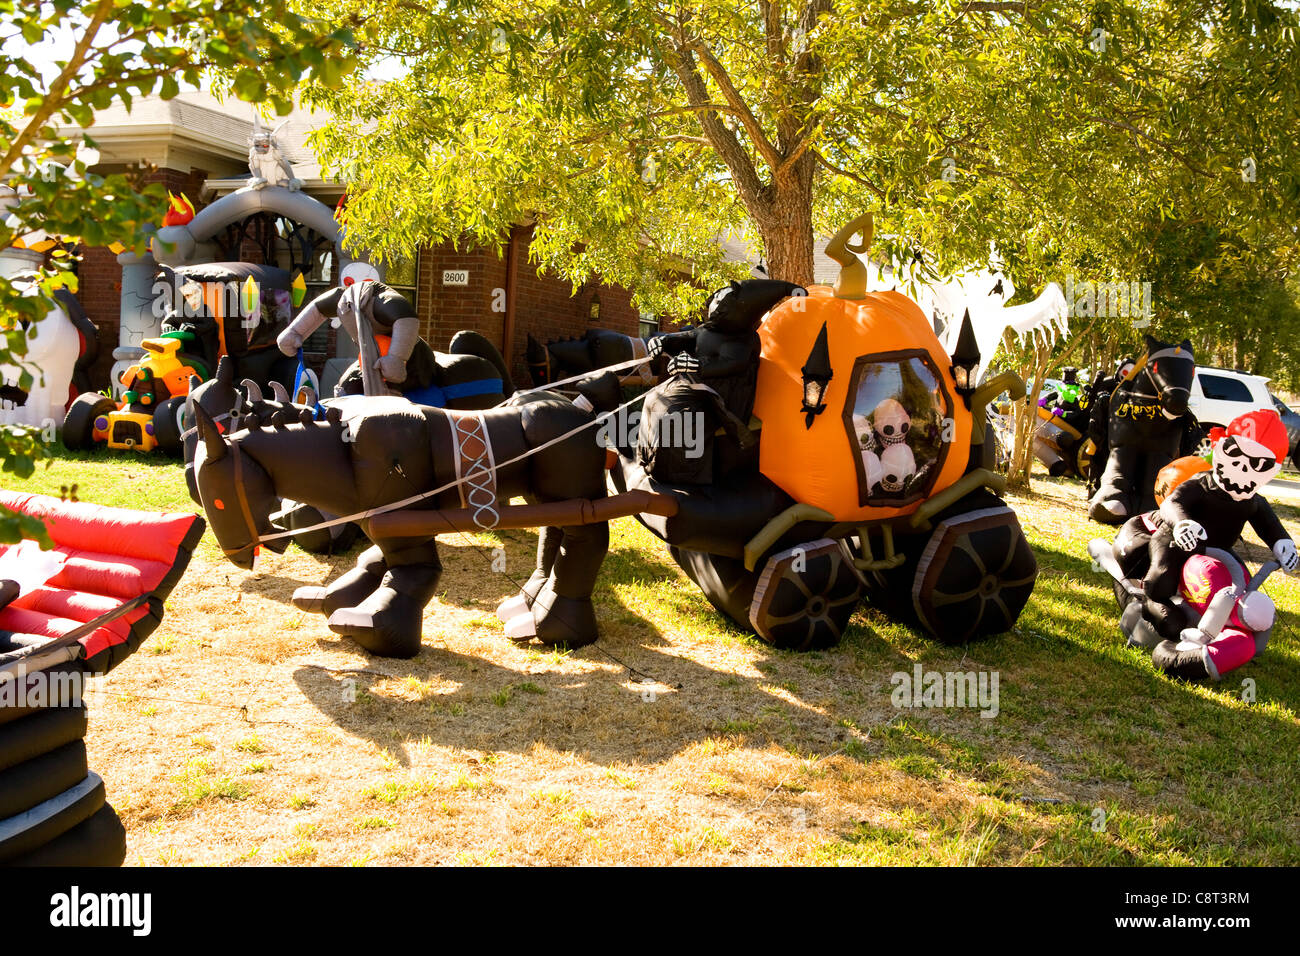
{"x":1060,"y":441}
{"x":266,"y":162}
{"x":180,"y":211}
{"x":397,"y":360}
{"x":56,"y":347}
{"x":1098,"y":442}
{"x":95,"y":598}
{"x":1173,"y":599}
{"x":219,"y":309}
{"x":231,"y":407}
{"x":375,"y":455}
{"x":595,"y":349}
{"x":1147,"y":428}
{"x":871,"y":479}
{"x":1175,"y":473}
{"x":712,"y":374}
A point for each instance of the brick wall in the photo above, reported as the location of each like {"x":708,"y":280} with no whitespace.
{"x":100,"y":277}
{"x":545,"y":306}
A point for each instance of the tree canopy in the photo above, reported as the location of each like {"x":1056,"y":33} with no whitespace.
{"x":1072,"y":136}
{"x":118,"y":50}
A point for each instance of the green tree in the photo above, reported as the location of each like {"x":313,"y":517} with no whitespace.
{"x":121,"y":49}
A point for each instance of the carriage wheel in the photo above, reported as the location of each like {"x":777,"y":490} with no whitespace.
{"x":974,"y":576}
{"x":805,"y":596}
{"x":1083,"y":459}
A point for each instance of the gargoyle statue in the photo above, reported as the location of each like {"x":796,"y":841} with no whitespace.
{"x":265,"y":161}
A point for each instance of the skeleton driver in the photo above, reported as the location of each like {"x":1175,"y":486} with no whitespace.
{"x":1209,"y":510}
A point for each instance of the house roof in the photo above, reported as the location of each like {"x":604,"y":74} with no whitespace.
{"x":196,"y":129}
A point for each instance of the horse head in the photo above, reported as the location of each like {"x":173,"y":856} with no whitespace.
{"x":1171,"y":369}
{"x":219,"y":398}
{"x":539,"y":366}
{"x":237,"y":494}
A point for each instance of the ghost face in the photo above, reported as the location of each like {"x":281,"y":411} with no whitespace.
{"x":1241,"y":466}
{"x":897,"y":464}
{"x":891,"y":421}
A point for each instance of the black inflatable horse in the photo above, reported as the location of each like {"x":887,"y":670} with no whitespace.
{"x":1147,"y":429}
{"x":372,"y":452}
{"x":596,"y":349}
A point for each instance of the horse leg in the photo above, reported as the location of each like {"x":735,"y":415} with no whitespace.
{"x":562,"y":612}
{"x":1114,"y":501}
{"x":349,"y":590}
{"x":387,"y":622}
{"x":548,"y":547}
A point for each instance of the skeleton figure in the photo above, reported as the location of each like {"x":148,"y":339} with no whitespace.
{"x":891,"y":422}
{"x":265,"y":161}
{"x":897,"y":464}
{"x":1210,"y":510}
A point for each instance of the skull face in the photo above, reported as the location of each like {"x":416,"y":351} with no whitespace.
{"x":262,"y":142}
{"x":1241,"y":466}
{"x":897,"y":464}
{"x":891,"y":421}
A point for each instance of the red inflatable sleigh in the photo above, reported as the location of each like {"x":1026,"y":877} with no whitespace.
{"x":109,"y":573}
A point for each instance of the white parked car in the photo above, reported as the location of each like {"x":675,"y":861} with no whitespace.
{"x":1219,"y":395}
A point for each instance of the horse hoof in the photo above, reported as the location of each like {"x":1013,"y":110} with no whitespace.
{"x":567,"y":621}
{"x":521,"y":627}
{"x":346,"y":619}
{"x":511,"y":608}
{"x":309,"y":599}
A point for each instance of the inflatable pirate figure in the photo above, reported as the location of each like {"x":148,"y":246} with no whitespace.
{"x":404,"y":361}
{"x":1210,"y":509}
{"x":713,"y":371}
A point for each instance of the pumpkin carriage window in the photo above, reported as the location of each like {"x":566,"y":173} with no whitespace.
{"x":898,"y":417}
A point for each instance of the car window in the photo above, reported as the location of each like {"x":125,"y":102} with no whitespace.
{"x":1220,"y":388}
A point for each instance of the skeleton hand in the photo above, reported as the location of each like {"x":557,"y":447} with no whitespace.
{"x":1188,"y":533}
{"x":1285,"y":553}
{"x":685,"y":362}
{"x":654,"y":348}
{"x":289,"y":341}
{"x":392,"y":368}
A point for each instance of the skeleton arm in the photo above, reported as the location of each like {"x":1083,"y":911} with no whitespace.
{"x":406,"y":333}
{"x":324,"y":306}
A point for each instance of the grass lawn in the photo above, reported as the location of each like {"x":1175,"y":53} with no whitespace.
{"x":245,"y":732}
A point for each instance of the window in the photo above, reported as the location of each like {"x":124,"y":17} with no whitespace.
{"x":404,"y":276}
{"x":898,"y":416}
{"x":648,"y":325}
{"x":1220,"y":388}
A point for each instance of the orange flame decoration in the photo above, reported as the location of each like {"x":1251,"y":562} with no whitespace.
{"x":179,"y":210}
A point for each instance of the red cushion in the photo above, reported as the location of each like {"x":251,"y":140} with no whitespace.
{"x":113,"y":555}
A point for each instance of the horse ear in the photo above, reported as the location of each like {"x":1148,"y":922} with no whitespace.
{"x":252,"y":390}
{"x":1152,"y":342}
{"x":210,"y":434}
{"x":1187,"y":344}
{"x":226,"y":371}
{"x":195,"y":382}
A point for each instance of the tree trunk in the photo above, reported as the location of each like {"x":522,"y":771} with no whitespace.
{"x":784,"y":222}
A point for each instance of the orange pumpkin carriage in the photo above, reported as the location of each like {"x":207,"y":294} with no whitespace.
{"x":875,"y":478}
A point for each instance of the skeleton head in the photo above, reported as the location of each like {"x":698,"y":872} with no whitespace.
{"x":891,"y":421}
{"x":1241,"y":466}
{"x":262,"y":140}
{"x":897,"y":464}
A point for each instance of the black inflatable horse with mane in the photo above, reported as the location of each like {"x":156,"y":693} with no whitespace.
{"x":373,"y":452}
{"x":1147,"y":428}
